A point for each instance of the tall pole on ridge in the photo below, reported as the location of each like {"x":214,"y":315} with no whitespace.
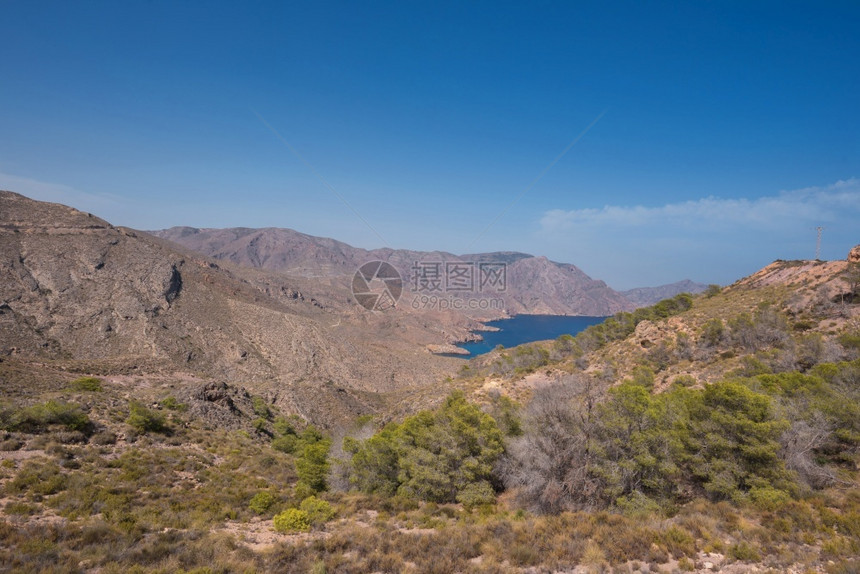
{"x":818,"y":244}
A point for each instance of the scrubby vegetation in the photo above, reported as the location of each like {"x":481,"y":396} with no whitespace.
{"x":90,"y":384}
{"x":751,"y":469}
{"x":626,"y":459}
{"x":43,"y":417}
{"x":144,"y":420}
{"x":762,"y":439}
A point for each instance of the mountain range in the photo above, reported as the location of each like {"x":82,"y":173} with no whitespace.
{"x":534,"y":284}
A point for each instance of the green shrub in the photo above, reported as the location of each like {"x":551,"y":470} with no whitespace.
{"x":260,"y":425}
{"x":38,"y":477}
{"x":685,"y":381}
{"x":262,"y":502}
{"x":144,"y":420}
{"x":21,"y":508}
{"x":261,"y":407}
{"x":712,"y":291}
{"x":10,"y":444}
{"x":283,"y":426}
{"x":89,"y":384}
{"x":850,"y":566}
{"x":39,"y":417}
{"x":751,"y":367}
{"x":476,"y":494}
{"x":850,"y":340}
{"x":292,"y":520}
{"x":318,"y":511}
{"x":643,"y":376}
{"x":506,"y":413}
{"x":768,"y":498}
{"x":431,"y":456}
{"x":731,"y":440}
{"x":679,"y":542}
{"x":312,"y":435}
{"x":171,"y":404}
{"x":637,"y":504}
{"x":287,"y":443}
{"x":312,"y":466}
{"x":744,"y":551}
{"x":104,"y":437}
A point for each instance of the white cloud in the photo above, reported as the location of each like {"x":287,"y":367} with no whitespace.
{"x":812,"y":205}
{"x":709,"y":239}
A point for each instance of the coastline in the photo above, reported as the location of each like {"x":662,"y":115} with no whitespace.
{"x":530,"y":327}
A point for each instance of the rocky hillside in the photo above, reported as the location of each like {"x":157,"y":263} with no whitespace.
{"x":534,"y":284}
{"x":790,"y":315}
{"x":114,"y":301}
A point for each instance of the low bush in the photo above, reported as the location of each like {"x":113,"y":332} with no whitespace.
{"x":286,"y":444}
{"x":292,"y":520}
{"x":744,"y":551}
{"x":318,"y":511}
{"x":38,"y":418}
{"x":261,"y":407}
{"x":172,"y":404}
{"x":38,"y":477}
{"x":88,"y":384}
{"x":145,"y":420}
{"x":262,"y":502}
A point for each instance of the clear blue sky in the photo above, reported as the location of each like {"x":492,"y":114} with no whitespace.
{"x":725,"y":131}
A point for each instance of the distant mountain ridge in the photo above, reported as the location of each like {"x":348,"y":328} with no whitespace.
{"x":645,"y":296}
{"x":534,"y":284}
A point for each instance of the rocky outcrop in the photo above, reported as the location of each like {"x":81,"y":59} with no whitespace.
{"x":854,"y":255}
{"x":174,"y":285}
{"x":447,"y":349}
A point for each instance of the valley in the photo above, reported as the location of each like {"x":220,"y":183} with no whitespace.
{"x":217,"y":401}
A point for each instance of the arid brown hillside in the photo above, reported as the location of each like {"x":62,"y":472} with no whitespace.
{"x":534,"y":284}
{"x":115,"y":301}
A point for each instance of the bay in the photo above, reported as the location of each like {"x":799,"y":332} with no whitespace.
{"x":526,"y":329}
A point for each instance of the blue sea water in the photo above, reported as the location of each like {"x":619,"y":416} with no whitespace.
{"x":526,"y":329}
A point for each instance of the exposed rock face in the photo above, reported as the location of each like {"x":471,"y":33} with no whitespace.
{"x":538,"y":285}
{"x":80,"y":285}
{"x":854,"y":255}
{"x":534,"y":284}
